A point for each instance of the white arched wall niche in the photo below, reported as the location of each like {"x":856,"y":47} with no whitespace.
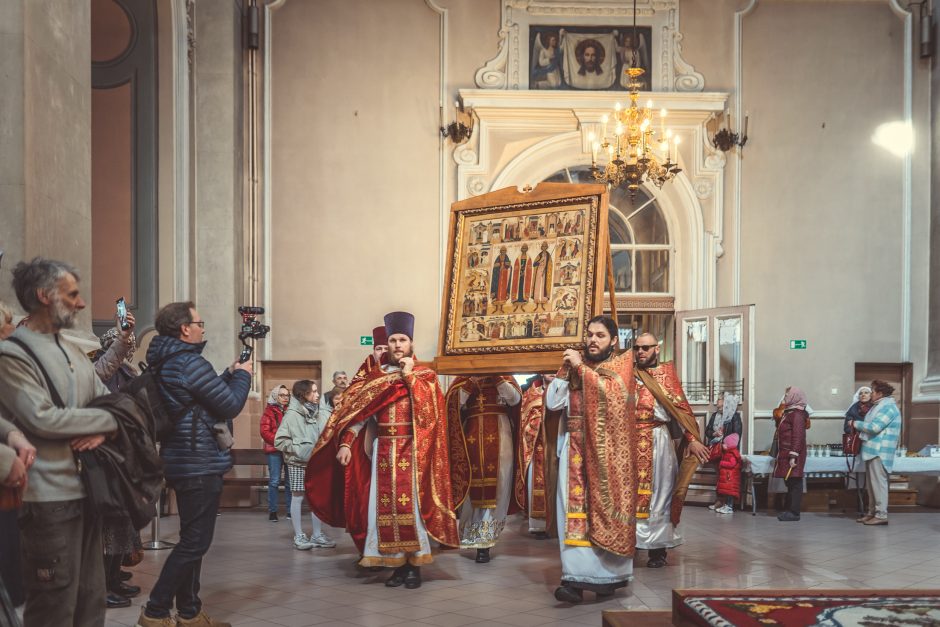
{"x":520,"y":142}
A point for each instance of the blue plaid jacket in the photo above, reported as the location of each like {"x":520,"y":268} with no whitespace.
{"x":880,"y":431}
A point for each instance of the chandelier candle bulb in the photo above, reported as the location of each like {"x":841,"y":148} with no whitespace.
{"x":594,"y":147}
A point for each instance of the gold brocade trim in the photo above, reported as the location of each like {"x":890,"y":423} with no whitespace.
{"x":394,"y":562}
{"x":577,"y":515}
{"x":578,"y":542}
{"x":388,"y":562}
{"x":483,"y":482}
{"x":642,"y":515}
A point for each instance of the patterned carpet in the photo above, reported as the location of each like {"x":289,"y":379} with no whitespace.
{"x":799,"y":608}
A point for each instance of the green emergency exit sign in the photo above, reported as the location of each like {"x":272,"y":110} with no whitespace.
{"x":797,"y":344}
{"x":365,"y":340}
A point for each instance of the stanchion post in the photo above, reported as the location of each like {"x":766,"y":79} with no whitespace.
{"x":156,"y":544}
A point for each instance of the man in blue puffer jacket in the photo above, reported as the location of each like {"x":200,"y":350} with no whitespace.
{"x":194,"y":463}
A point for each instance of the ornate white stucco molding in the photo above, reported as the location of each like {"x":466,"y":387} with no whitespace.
{"x":509,"y":68}
{"x":522,"y":137}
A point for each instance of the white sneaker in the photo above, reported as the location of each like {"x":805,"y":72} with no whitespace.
{"x":725,"y":509}
{"x":322,"y":541}
{"x":302,"y":543}
{"x":713,"y":507}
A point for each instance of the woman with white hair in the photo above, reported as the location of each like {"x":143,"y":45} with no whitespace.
{"x":861,"y":403}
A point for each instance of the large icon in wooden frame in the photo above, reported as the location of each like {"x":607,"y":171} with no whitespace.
{"x":524,"y":275}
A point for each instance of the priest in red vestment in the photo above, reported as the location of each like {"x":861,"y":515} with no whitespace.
{"x":537,"y":460}
{"x":662,"y":415}
{"x":597,"y":478}
{"x":408,"y":482}
{"x":353,"y":503}
{"x":487,"y":408}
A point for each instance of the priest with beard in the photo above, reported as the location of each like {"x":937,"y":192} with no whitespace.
{"x":408,"y":484}
{"x":663,"y":415}
{"x":597,"y":479}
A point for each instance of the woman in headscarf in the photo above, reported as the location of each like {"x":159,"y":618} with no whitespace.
{"x":791,"y":451}
{"x":861,"y":403}
{"x":278,"y":400}
{"x":724,"y":422}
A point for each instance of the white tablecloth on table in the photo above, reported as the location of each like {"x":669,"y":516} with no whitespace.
{"x":764,"y":465}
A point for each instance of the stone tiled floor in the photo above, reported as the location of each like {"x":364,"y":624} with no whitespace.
{"x":254,"y":577}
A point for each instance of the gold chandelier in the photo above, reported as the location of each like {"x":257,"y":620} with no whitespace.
{"x":629,"y":151}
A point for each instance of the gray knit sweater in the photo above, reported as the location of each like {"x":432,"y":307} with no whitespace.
{"x":26,"y":401}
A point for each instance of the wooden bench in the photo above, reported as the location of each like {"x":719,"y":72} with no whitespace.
{"x":249,"y":469}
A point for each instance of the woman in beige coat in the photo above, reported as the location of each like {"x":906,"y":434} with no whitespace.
{"x":295,"y":438}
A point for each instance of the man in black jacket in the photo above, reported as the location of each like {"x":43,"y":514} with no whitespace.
{"x":194,"y":462}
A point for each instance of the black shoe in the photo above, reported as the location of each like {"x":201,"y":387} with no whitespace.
{"x":397,"y":578}
{"x":125,"y":590}
{"x":568,"y":594}
{"x":540,"y":535}
{"x":788,"y":517}
{"x":126,"y":575}
{"x":272,"y":516}
{"x":116,"y":600}
{"x":483,"y":556}
{"x":413,"y":578}
{"x":657,"y":558}
{"x":604,"y":592}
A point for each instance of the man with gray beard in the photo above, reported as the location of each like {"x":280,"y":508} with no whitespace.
{"x":61,"y":537}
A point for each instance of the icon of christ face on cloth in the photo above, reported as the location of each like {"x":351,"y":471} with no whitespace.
{"x":521,"y":279}
{"x":499,"y":283}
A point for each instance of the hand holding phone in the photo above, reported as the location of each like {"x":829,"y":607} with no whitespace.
{"x":122,"y":314}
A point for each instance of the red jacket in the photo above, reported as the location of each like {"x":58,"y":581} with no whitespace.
{"x":270,"y":421}
{"x":729,"y":470}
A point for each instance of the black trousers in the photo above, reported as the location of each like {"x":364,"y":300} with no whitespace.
{"x":198,"y":502}
{"x":794,"y":498}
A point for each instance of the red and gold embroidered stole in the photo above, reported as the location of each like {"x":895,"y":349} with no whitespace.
{"x":395,"y":479}
{"x":531,"y":451}
{"x":481,"y":432}
{"x":414,"y":399}
{"x":602,"y":457}
{"x":672,"y":399}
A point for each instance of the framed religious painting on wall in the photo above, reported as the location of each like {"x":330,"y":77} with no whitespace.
{"x":588,"y":57}
{"x":524,"y":275}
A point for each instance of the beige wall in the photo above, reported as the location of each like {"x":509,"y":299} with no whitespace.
{"x":821,"y":204}
{"x":45,"y":135}
{"x":356,"y":221}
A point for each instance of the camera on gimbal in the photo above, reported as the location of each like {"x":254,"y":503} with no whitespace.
{"x":251,"y":329}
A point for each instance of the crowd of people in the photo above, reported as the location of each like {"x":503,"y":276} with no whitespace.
{"x":599,"y":455}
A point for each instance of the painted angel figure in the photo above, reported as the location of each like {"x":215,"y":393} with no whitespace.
{"x":634,"y":53}
{"x":546,"y":61}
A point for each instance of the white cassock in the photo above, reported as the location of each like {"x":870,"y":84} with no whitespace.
{"x":657,"y":531}
{"x":480,"y":527}
{"x":580,"y":564}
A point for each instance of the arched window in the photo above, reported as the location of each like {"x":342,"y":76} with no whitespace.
{"x":639,"y":237}
{"x":641,"y":250}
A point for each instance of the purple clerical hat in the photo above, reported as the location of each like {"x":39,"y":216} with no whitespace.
{"x":400,"y":322}
{"x":379,"y":337}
